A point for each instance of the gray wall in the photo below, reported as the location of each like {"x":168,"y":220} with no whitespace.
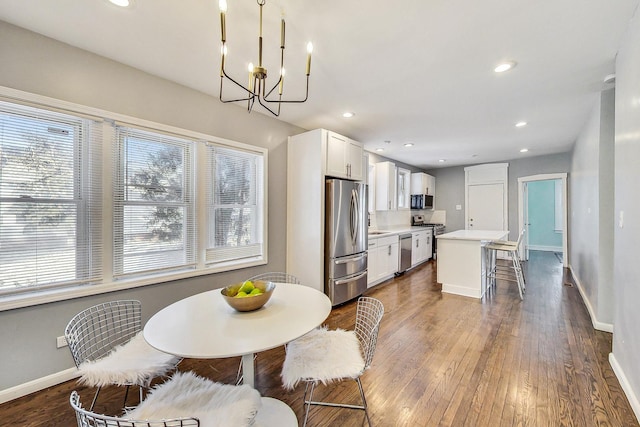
{"x":626,"y":337}
{"x":36,"y":64}
{"x":591,"y":212}
{"x":450,"y":186}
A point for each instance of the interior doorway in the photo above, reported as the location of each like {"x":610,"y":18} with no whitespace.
{"x":553,"y":194}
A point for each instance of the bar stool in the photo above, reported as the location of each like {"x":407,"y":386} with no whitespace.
{"x":497,"y":271}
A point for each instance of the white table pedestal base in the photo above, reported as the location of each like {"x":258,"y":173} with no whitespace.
{"x":275,"y":413}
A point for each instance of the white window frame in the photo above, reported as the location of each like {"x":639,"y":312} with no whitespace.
{"x":109,"y":283}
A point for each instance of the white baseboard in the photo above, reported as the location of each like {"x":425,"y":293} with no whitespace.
{"x":37,"y":384}
{"x":626,"y":387}
{"x":545,"y":248}
{"x":600,"y":326}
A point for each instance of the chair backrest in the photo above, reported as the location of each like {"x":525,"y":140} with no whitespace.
{"x":90,"y":419}
{"x":94,"y":332}
{"x":276,"y":276}
{"x":368,"y":316}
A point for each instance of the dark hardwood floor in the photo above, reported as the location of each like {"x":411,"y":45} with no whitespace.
{"x":441,"y":360}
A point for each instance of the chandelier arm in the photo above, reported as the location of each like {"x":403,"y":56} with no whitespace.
{"x":289,"y":101}
{"x":267,"y":107}
{"x":251,"y":93}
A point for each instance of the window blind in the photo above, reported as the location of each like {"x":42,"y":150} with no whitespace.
{"x":235,"y":206}
{"x":50,"y":199}
{"x":154,"y":223}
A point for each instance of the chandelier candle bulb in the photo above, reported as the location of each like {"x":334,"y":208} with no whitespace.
{"x":282,"y":33}
{"x":223,"y":9}
{"x":309,"y":50}
{"x":250,"y":68}
{"x":281,"y":82}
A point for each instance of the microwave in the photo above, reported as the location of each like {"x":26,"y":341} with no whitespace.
{"x":421,"y":201}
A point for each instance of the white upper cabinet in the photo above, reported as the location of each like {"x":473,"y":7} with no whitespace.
{"x":386,"y":186}
{"x":421,"y":183}
{"x":344,"y":157}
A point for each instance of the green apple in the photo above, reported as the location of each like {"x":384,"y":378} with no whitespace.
{"x":256,"y":291}
{"x":241,"y":294}
{"x":246,"y":287}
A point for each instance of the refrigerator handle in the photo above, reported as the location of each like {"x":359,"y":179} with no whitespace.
{"x":351,"y":279}
{"x":355,"y":216}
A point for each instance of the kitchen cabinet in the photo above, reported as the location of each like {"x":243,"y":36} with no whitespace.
{"x":422,"y":183}
{"x":308,"y":155}
{"x":386,"y":186}
{"x":344,"y":157}
{"x":421,"y":246}
{"x":383,"y":259}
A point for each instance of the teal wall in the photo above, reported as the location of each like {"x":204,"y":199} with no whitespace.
{"x":542,"y":215}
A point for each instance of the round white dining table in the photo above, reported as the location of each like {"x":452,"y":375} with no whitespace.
{"x":204,"y":326}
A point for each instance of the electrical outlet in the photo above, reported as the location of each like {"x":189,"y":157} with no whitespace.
{"x":61,"y":342}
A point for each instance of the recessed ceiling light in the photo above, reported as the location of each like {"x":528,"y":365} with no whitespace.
{"x":379,"y":149}
{"x":121,"y":3}
{"x":409,"y":144}
{"x":442,"y":160}
{"x":524,"y":150}
{"x":505,"y":66}
{"x":348,"y":115}
{"x":521,"y":124}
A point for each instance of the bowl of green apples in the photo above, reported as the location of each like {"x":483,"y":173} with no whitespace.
{"x":249,"y":295}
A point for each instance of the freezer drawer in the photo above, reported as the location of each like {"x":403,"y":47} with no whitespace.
{"x":346,"y":266}
{"x":345,"y":288}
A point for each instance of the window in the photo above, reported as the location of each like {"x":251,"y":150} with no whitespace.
{"x":154,"y":224}
{"x":86,"y":200}
{"x":50,"y":213}
{"x":404,"y":185}
{"x":235,"y":206}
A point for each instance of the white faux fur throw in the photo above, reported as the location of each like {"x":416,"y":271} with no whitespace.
{"x":135,"y":362}
{"x":324,"y":356}
{"x":188,"y":395}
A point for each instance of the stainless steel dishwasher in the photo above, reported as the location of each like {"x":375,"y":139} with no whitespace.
{"x":405,"y":253}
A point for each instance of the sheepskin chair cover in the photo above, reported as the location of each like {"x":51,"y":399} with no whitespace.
{"x":186,"y":394}
{"x":322,"y":355}
{"x":134,"y":362}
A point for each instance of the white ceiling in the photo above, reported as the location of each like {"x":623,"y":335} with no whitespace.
{"x":416,"y":71}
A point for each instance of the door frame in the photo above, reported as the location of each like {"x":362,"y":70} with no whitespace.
{"x":544,"y":177}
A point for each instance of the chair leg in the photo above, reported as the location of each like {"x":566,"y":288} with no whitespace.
{"x":516,"y":270}
{"x":364,"y":401}
{"x":95,"y":397}
{"x":307,"y":403}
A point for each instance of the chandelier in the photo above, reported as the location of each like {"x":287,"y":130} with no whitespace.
{"x":257,"y":86}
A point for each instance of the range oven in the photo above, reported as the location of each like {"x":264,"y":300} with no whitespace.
{"x":418,"y":221}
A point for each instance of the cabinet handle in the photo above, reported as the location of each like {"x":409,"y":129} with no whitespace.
{"x":389,"y":250}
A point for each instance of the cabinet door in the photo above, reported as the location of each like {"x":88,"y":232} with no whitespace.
{"x":336,"y":151}
{"x":393,"y":259}
{"x":354,"y":160}
{"x":372,"y":265}
{"x":415,"y":248}
{"x":385,"y":186}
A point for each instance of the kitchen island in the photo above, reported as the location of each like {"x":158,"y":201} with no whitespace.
{"x":462,"y":261}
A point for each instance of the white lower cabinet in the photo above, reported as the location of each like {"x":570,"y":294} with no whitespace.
{"x":383,"y":259}
{"x":421,"y":245}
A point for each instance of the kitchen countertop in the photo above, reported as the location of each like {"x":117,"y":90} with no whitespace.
{"x":473,"y":235}
{"x":390,"y":231}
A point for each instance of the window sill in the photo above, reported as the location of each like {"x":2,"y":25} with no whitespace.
{"x":37,"y":297}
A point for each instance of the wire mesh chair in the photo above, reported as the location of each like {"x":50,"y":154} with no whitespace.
{"x":95,"y":332}
{"x":314,"y":354}
{"x":278,"y":277}
{"x":89,"y":419}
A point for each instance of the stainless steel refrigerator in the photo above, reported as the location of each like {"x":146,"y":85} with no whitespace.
{"x":345,"y":240}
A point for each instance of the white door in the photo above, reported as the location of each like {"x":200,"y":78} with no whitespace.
{"x":486,"y":207}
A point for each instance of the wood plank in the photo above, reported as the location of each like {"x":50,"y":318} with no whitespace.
{"x":441,"y":360}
